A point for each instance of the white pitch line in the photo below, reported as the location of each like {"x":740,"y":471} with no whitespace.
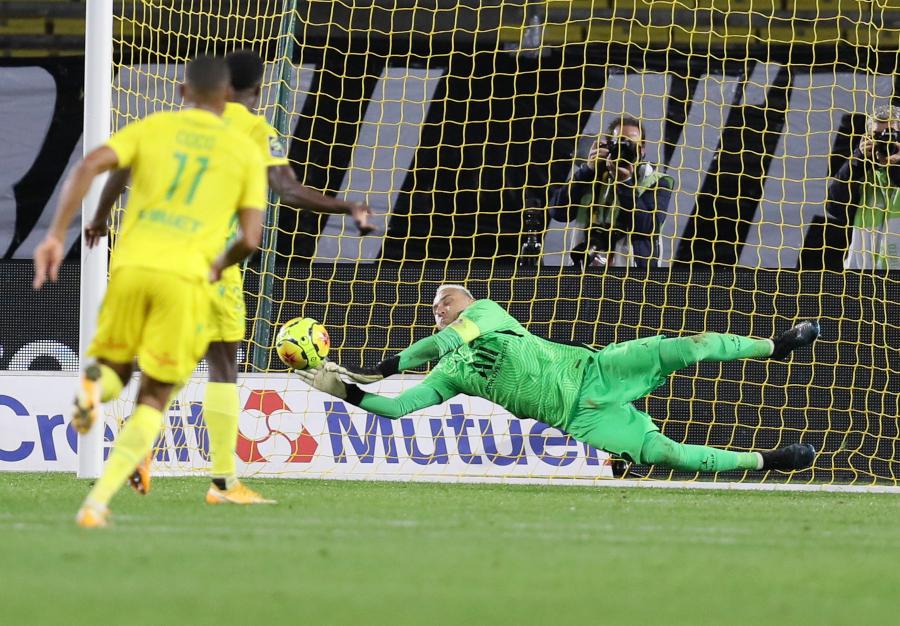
{"x":724,"y":486}
{"x":577,"y":482}
{"x":604,"y":482}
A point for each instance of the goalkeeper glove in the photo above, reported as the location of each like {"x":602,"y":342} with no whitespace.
{"x":362,"y":376}
{"x":329,"y":382}
{"x":323,"y":380}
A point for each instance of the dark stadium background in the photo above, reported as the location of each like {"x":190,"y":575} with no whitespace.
{"x":492,"y":126}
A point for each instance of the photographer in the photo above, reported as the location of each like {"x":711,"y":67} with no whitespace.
{"x":865,"y":194}
{"x":619,"y":199}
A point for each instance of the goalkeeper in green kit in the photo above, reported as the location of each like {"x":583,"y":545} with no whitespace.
{"x":483,"y":351}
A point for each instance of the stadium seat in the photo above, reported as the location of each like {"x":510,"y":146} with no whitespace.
{"x":805,"y":31}
{"x":867,"y":36}
{"x":558,"y":34}
{"x":554,"y":33}
{"x":510,"y":34}
{"x":653,"y":4}
{"x":564,"y":6}
{"x":603,"y":31}
{"x":742,"y":6}
{"x":827,"y":6}
{"x":716,"y":38}
{"x":24,"y":26}
{"x":599,"y":30}
{"x":42,"y":27}
{"x":653,"y":37}
{"x":811,"y":5}
{"x":67,"y":26}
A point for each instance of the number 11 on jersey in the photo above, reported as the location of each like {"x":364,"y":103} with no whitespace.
{"x":182,"y":158}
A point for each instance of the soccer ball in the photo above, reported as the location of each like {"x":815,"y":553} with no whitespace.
{"x":301,"y":343}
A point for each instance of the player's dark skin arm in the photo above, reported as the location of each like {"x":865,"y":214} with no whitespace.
{"x":99,"y":226}
{"x":283,"y":182}
{"x":77,"y":185}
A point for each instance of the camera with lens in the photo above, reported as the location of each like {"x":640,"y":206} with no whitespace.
{"x":533,"y":227}
{"x":622,"y":149}
{"x":887,"y":143}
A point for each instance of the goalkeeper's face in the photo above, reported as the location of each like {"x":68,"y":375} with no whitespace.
{"x":448,"y":304}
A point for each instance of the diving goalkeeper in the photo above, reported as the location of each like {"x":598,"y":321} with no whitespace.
{"x":483,"y":351}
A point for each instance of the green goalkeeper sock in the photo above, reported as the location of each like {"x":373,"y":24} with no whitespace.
{"x":660,"y":450}
{"x":680,"y":352}
{"x":132,"y":445}
{"x":221,"y":408}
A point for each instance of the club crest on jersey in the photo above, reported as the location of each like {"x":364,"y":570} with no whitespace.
{"x":276,"y":147}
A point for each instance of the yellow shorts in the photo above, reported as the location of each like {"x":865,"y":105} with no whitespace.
{"x":156,"y":316}
{"x":227,"y":313}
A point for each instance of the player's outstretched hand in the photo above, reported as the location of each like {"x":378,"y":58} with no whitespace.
{"x":48,"y":257}
{"x":360,"y":214}
{"x":323,"y":380}
{"x":361,"y":376}
{"x":94,"y":232}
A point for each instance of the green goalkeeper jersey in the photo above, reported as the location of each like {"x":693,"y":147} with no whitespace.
{"x":528,"y":376}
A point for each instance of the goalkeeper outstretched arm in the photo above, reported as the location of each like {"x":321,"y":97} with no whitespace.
{"x":417,"y":397}
{"x":421,"y":352}
{"x":430,"y":348}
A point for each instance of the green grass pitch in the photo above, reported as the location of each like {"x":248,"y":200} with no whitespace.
{"x":335,"y":552}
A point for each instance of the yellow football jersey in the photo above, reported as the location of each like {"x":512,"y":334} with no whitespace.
{"x":190,"y":172}
{"x":271,"y":149}
{"x":259,"y":131}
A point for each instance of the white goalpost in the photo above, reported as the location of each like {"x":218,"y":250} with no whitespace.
{"x":97,"y":97}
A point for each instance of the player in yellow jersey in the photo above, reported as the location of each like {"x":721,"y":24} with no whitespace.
{"x":192,"y":176}
{"x":221,"y":406}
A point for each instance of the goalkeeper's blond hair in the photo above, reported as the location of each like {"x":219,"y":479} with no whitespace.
{"x":447,"y":287}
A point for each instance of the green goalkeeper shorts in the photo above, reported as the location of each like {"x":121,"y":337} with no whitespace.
{"x":614,"y":377}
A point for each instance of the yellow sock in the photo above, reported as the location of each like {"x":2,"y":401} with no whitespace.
{"x":110,"y":383}
{"x":172,"y":397}
{"x":221,"y":408}
{"x":132,"y":445}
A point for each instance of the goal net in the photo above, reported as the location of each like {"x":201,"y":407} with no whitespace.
{"x":460,"y":123}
